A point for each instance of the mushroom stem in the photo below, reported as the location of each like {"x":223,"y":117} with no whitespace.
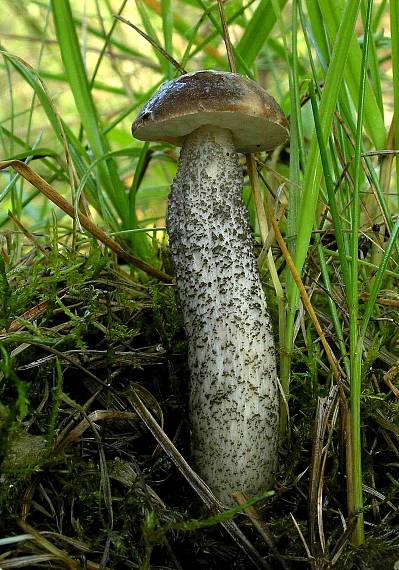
{"x":233,"y":393}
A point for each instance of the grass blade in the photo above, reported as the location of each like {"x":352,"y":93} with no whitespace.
{"x":257,"y":31}
{"x":373,"y":120}
{"x":394,"y":15}
{"x":78,"y":81}
{"x":313,"y":170}
{"x":356,"y":344}
{"x":167,"y":27}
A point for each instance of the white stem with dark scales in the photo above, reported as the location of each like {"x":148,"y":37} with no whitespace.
{"x":233,"y":393}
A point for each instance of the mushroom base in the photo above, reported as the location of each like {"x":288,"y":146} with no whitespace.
{"x":233,"y":393}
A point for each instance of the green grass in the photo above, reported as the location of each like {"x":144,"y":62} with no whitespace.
{"x":73,"y":78}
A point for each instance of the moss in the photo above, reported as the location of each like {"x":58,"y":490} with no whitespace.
{"x":112,"y":488}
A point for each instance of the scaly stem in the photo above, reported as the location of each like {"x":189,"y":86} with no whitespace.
{"x":233,"y":395}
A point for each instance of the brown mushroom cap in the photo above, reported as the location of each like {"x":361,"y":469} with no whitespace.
{"x":216,"y":98}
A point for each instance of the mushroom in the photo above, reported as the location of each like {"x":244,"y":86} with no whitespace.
{"x":233,"y":391}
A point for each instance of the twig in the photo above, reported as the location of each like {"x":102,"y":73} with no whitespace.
{"x":389,"y":376}
{"x":48,"y":191}
{"x":226,"y":37}
{"x":261,"y":526}
{"x":154,"y":44}
{"x":338,"y":373}
{"x":195,"y":481}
